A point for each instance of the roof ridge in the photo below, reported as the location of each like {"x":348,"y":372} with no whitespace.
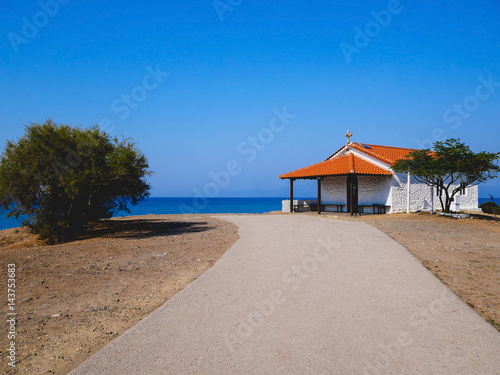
{"x":371,"y":152}
{"x":401,"y":148}
{"x":362,"y":157}
{"x":353,"y":164}
{"x":336,"y":152}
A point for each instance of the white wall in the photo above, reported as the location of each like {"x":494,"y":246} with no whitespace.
{"x":334,"y":190}
{"x":470,"y":201}
{"x":390,"y":191}
{"x":420,"y":196}
{"x":374,"y":189}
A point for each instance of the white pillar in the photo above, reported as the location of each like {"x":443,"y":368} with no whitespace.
{"x":408,"y":194}
{"x":432,"y":200}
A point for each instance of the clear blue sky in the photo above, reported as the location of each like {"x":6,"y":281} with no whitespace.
{"x":395,"y":73}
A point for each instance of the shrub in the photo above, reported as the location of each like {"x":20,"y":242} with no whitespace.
{"x":57,"y":179}
{"x":490,"y":207}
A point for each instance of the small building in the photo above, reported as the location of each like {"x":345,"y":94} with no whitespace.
{"x":358,"y":178}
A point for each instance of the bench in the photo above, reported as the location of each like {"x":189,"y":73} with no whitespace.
{"x":338,"y":207}
{"x":296,"y":204}
{"x":376,"y":208}
{"x":359,"y":209}
{"x":379,"y":208}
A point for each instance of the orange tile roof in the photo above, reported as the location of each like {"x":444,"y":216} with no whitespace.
{"x":341,"y":165}
{"x":384,"y":153}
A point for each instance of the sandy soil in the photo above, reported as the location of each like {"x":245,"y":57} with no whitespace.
{"x":74,"y":298}
{"x":463,"y":253}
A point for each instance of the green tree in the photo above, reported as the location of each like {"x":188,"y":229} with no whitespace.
{"x":489,"y":207}
{"x":57,"y":179}
{"x":450,"y":167}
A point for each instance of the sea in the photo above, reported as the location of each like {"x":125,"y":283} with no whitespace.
{"x":191,"y":205}
{"x":186,"y":205}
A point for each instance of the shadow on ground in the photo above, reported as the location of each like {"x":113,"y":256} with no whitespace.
{"x":144,"y":228}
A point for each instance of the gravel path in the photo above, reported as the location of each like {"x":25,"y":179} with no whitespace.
{"x":305,"y":295}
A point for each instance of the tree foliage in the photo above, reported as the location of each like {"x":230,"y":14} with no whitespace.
{"x":450,"y":167}
{"x":489,"y":207}
{"x":57,"y":179}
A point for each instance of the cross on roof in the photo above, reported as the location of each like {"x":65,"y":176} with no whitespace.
{"x":348,"y":135}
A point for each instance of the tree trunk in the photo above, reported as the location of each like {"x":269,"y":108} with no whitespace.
{"x":448,"y":202}
{"x":443,"y":206}
{"x":448,"y":205}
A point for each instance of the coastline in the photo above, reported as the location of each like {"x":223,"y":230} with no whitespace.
{"x":195,"y":206}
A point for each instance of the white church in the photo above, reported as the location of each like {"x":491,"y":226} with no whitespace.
{"x":358,"y":178}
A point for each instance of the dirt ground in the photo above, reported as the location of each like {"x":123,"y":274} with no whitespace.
{"x":463,"y":253}
{"x":74,"y":298}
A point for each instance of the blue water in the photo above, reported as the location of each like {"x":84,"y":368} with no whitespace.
{"x":190,"y":205}
{"x":205,"y":206}
{"x":187,"y":205}
{"x":482,"y":200}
